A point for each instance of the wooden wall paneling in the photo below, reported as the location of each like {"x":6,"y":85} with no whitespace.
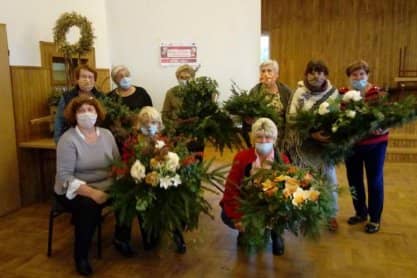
{"x":103,"y":82}
{"x":340,"y":32}
{"x":9,"y":178}
{"x":31,"y":88}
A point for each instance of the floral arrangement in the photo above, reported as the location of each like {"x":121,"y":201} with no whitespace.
{"x":165,"y":187}
{"x":203,"y":119}
{"x":284,"y":198}
{"x":348,"y":119}
{"x":251,"y":104}
{"x":119,"y":118}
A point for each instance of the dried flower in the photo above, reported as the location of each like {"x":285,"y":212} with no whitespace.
{"x":152,"y":178}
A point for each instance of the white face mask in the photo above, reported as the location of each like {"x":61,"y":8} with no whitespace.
{"x":86,"y":120}
{"x":182,"y":82}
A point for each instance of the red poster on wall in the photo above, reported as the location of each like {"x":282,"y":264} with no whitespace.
{"x":174,"y":54}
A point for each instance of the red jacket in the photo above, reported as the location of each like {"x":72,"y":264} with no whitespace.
{"x":230,"y":201}
{"x":371,"y":94}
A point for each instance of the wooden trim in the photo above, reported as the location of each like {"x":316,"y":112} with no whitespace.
{"x":26,"y":67}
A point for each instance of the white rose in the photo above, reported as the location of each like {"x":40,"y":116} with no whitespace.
{"x":159,"y":144}
{"x":138,"y":170}
{"x":324,"y":108}
{"x":351,"y":113}
{"x":352,"y":95}
{"x":172,"y":161}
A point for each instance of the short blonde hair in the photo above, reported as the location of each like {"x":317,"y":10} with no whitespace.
{"x":272,"y":63}
{"x":148,"y":113}
{"x":116,"y":70}
{"x":266,"y":126}
{"x":187,"y":68}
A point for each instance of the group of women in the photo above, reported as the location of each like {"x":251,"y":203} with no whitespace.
{"x":312,"y":91}
{"x":85,"y":151}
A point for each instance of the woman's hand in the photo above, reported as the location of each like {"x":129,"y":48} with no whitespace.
{"x":98,"y":196}
{"x":239,"y":226}
{"x":320,"y":136}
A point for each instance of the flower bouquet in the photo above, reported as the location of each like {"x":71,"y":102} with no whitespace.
{"x":119,"y":118}
{"x":253,"y":105}
{"x":349,"y":119}
{"x":284,"y":198}
{"x":202,"y":117}
{"x":163,"y":186}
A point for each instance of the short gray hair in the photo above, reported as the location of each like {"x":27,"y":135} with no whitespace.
{"x":272,"y":63}
{"x":266,"y":126}
{"x":116,"y":70}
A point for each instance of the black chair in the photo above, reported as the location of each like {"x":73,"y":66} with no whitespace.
{"x":56,"y":210}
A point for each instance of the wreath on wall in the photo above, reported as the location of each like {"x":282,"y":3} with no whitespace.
{"x":62,"y":26}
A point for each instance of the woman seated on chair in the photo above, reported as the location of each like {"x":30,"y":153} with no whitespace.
{"x":84,"y":154}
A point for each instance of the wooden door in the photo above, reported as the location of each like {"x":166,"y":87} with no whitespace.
{"x":9,"y":181}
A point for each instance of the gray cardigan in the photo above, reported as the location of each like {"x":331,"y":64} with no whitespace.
{"x":76,"y":159}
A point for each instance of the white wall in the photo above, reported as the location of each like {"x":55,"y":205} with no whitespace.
{"x":227,"y":34}
{"x":129,"y":32}
{"x":30,"y":21}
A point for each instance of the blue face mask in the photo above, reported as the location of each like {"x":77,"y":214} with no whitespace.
{"x":359,"y":84}
{"x":264,"y":148}
{"x":150,"y":130}
{"x":125,"y":83}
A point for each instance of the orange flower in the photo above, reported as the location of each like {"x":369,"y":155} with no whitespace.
{"x":271,"y":192}
{"x":281,"y":178}
{"x":155,"y":163}
{"x":313,"y":195}
{"x":291,"y":185}
{"x":306,"y":180}
{"x":292,"y":170}
{"x":152,"y":178}
{"x":268,"y":185}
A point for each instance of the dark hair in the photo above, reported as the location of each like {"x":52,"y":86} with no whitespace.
{"x":316,"y":66}
{"x":87,"y":68}
{"x":70,"y":111}
{"x":357,"y":65}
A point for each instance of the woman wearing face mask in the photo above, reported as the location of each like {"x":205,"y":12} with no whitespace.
{"x":173,"y":102}
{"x":370,"y":152}
{"x":149,"y":124}
{"x":264,"y":136}
{"x":133,"y":97}
{"x":86,"y":79}
{"x":311,"y":92}
{"x":277,"y":92}
{"x":84,"y":155}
